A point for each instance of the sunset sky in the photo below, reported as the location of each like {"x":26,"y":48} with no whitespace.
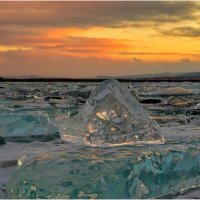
{"x":88,"y":39}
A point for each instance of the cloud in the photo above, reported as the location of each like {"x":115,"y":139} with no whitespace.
{"x":46,"y":29}
{"x":137,"y":60}
{"x":185,"y":60}
{"x":87,"y":14}
{"x":158,"y":53}
{"x":184,"y":31}
{"x":19,"y":63}
{"x":79,"y":46}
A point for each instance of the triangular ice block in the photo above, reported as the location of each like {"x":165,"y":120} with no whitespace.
{"x":112,"y":116}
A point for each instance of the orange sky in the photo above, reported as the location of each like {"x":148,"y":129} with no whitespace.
{"x":87,"y":39}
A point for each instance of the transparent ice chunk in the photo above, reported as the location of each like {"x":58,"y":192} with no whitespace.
{"x":27,"y":127}
{"x":172,"y":91}
{"x":111,"y":116}
{"x":79,"y":172}
{"x":179,"y":101}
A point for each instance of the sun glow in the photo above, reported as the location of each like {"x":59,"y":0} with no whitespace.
{"x":119,"y":33}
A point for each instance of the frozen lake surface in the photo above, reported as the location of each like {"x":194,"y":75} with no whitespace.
{"x":36,"y":163}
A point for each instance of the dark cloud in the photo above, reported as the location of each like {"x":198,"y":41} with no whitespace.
{"x":160,"y":54}
{"x":184,"y":31}
{"x":185,"y":60}
{"x":137,"y":60}
{"x":14,"y":31}
{"x":86,"y":14}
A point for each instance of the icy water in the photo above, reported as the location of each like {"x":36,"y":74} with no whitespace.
{"x":36,"y":163}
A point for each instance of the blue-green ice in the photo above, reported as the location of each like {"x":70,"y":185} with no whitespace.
{"x":34,"y":122}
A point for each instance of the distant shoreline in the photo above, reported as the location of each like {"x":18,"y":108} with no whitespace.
{"x":160,"y":79}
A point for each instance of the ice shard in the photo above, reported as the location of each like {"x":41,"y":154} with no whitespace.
{"x":112,"y":116}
